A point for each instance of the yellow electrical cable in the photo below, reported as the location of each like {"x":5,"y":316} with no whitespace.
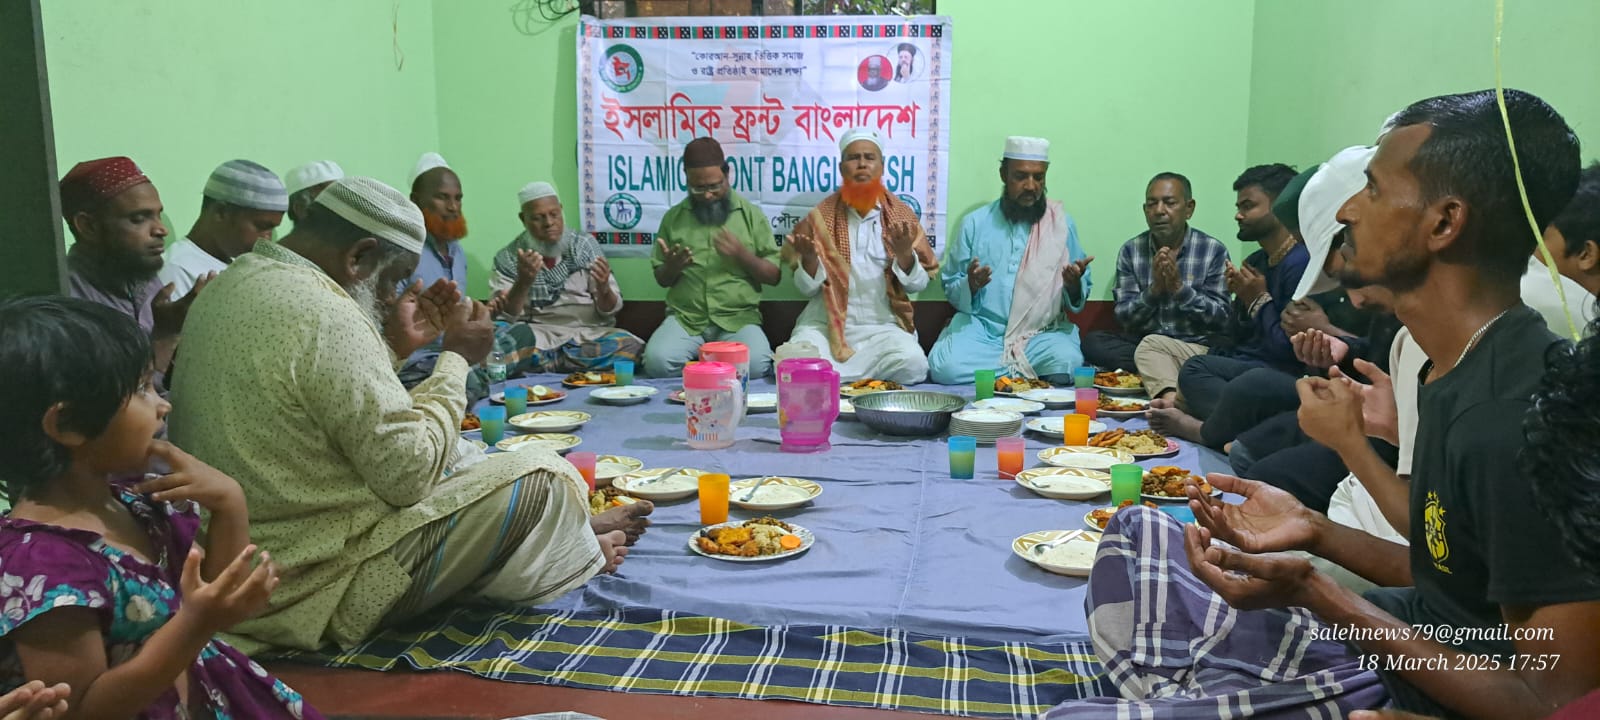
{"x":1522,"y":190}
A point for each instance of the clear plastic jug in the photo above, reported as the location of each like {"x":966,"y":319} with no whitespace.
{"x":713,"y":401}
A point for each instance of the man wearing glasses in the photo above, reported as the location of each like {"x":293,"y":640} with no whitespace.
{"x":713,"y":253}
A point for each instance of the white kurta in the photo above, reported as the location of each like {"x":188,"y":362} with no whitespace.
{"x":883,"y":350}
{"x":184,"y":264}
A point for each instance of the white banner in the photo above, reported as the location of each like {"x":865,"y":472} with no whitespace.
{"x":777,"y":92}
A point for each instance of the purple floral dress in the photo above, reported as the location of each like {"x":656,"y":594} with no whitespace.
{"x":45,"y":566}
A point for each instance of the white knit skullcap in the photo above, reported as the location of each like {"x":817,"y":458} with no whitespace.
{"x":535,"y":190}
{"x":860,"y":133}
{"x":1019,"y":147}
{"x":312,"y":173}
{"x":428,"y":161}
{"x":378,"y":209}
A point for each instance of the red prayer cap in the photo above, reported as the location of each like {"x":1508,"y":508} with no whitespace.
{"x":93,"y":182}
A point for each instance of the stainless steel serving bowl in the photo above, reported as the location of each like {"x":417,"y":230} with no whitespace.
{"x":907,"y":412}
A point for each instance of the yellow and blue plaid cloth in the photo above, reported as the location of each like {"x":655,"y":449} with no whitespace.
{"x":658,"y":651}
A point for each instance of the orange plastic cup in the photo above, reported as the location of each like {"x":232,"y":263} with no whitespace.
{"x":1009,"y":453}
{"x":1087,"y":402}
{"x":713,"y":498}
{"x":1075,"y":430}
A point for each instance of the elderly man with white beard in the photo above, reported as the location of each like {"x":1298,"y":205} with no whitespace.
{"x":289,"y":385}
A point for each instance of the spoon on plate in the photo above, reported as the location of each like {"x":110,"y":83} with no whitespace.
{"x":669,"y":473}
{"x":753,"y":488}
{"x":1064,"y":539}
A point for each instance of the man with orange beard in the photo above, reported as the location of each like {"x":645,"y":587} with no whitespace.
{"x":1013,"y":274}
{"x":436,"y":190}
{"x":857,"y":255}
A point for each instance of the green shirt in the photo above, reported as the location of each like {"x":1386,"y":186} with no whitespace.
{"x":714,"y":289}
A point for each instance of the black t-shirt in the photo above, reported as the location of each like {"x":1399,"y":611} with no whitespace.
{"x":1478,"y":541}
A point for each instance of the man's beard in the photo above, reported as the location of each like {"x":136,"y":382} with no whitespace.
{"x":863,"y":196}
{"x":1254,"y":232}
{"x":366,"y":296}
{"x":713,"y":213}
{"x":446,"y":230}
{"x":1019,"y":214}
{"x":1403,"y":273}
{"x":552,"y":249}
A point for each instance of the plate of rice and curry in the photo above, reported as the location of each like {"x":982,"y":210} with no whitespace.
{"x":1119,"y":382}
{"x":868,"y":385}
{"x":1010,"y":386}
{"x":1098,"y":518}
{"x":757,"y":540}
{"x":1143,"y":444}
{"x":1122,"y":408}
{"x":1166,"y":483}
{"x":598,"y":378}
{"x":537,"y":395}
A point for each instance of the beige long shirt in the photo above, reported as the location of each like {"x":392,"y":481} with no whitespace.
{"x":288,"y":387}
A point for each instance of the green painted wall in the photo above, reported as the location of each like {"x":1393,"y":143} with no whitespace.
{"x":1122,"y":89}
{"x":1117,"y":112}
{"x":184,"y":85}
{"x":1326,"y":74}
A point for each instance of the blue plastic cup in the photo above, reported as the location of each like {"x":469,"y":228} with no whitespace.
{"x":624,"y":371}
{"x":1083,"y":377}
{"x":963,"y":455}
{"x":492,"y":420}
{"x":516,"y":399}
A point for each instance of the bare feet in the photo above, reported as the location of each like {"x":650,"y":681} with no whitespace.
{"x":1175,"y":422}
{"x":630,"y":519}
{"x":613,"y":545}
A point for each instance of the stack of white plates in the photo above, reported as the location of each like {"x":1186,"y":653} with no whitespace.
{"x":986,"y":425}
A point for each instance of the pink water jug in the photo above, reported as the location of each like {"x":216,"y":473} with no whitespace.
{"x":733,"y":353}
{"x":808,"y":403}
{"x":713,"y":402}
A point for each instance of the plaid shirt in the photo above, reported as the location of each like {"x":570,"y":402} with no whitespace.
{"x":1199,"y":309}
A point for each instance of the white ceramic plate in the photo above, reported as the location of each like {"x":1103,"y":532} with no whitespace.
{"x":1085,"y":457}
{"x":676,"y":396}
{"x":1144,"y":406}
{"x":1065,"y":483}
{"x":806,"y":541}
{"x":847,"y":410}
{"x":1074,"y":557}
{"x":1054,"y":398}
{"x":554,"y":396}
{"x":987,"y":418}
{"x":761,"y":403}
{"x":1009,"y":404}
{"x":780,"y":493}
{"x":644,"y":483}
{"x":1119,"y":390}
{"x":1088,"y":519}
{"x":623,"y":394}
{"x":549,"y":421}
{"x":1169,"y":499}
{"x":554,"y":442}
{"x":611,"y":467}
{"x":1051,"y":426}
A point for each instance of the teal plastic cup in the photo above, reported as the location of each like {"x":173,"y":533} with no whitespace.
{"x":516,"y":400}
{"x":492,"y":421}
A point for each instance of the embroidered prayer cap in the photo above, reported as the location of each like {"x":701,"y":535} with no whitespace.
{"x":248,"y":185}
{"x":376,"y":208}
{"x":703,"y":152}
{"x":92,"y":182}
{"x":535,"y":190}
{"x":428,"y":161}
{"x":310,"y":174}
{"x":1328,"y":190}
{"x":861,"y":133}
{"x":1019,"y":147}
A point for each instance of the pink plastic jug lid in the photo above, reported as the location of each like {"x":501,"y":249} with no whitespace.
{"x":708,"y":375}
{"x":725,"y":351}
{"x":797,"y":364}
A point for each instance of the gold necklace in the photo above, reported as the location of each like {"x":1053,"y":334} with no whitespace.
{"x":1282,"y":252}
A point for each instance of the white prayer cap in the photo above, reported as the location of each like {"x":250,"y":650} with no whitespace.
{"x":860,"y":133}
{"x":1341,"y":177}
{"x":378,"y":209}
{"x":535,"y":190}
{"x":1019,"y":147}
{"x":312,"y":173}
{"x":428,"y":161}
{"x":248,"y":185}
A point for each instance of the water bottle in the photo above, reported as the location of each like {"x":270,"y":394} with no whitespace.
{"x":497,"y":367}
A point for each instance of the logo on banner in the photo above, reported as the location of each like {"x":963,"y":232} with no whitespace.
{"x":874,"y":73}
{"x":623,"y":211}
{"x":622,"y":68}
{"x":916,"y":207}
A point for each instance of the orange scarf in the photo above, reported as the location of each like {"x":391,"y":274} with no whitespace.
{"x":829,"y":223}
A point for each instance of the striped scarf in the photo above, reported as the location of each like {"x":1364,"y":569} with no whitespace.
{"x":829,"y":223}
{"x":581,"y":252}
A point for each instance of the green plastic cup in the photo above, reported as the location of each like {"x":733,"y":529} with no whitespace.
{"x":1127,"y":482}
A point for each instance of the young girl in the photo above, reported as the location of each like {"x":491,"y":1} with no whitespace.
{"x":102,"y":586}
